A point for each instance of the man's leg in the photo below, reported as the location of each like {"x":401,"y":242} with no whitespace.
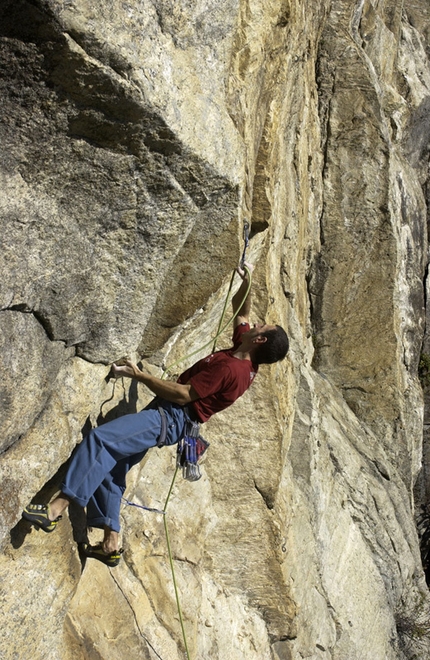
{"x":57,"y":506}
{"x":94,"y":458}
{"x":125,"y":439}
{"x":103,"y":511}
{"x":104,"y":447}
{"x":110,"y":543}
{"x":104,"y":505}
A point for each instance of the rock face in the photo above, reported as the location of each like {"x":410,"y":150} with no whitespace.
{"x":136,"y":139}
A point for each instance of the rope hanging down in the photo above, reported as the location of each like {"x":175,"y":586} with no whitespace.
{"x":220,"y":330}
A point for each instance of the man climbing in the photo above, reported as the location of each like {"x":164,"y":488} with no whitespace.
{"x":96,"y":478}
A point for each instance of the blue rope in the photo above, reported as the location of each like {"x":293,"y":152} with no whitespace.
{"x":146,"y":508}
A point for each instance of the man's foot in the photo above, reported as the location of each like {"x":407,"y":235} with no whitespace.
{"x":38,"y":514}
{"x":96,"y":552}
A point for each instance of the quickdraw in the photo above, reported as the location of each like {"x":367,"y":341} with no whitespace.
{"x":246,"y":239}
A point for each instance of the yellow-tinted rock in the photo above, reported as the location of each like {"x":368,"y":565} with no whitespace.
{"x":136,"y":138}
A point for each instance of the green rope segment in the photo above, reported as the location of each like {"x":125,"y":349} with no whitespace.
{"x":172,"y":568}
{"x":221,"y":327}
{"x":220,"y":330}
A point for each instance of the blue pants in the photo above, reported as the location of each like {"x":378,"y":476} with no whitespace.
{"x":96,"y":477}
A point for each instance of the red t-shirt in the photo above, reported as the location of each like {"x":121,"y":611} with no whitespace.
{"x":220,"y":378}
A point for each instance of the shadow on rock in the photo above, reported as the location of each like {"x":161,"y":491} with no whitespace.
{"x":45,"y":494}
{"x":77,"y":515}
{"x":126,"y":406}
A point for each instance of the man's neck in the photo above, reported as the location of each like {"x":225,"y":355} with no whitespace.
{"x":242,"y":355}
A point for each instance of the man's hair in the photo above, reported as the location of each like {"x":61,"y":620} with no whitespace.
{"x":274,"y":349}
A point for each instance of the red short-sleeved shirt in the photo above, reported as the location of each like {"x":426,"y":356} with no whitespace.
{"x":220,"y":378}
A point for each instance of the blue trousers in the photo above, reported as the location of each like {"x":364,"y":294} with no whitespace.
{"x":96,"y":477}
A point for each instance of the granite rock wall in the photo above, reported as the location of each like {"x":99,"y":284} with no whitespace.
{"x":137,"y":137}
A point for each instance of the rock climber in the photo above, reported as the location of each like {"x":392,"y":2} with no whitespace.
{"x":96,"y":477}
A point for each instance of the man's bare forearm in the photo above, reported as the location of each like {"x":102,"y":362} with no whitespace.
{"x":242,"y":305}
{"x":166,"y":389}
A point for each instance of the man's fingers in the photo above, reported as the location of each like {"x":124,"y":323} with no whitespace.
{"x":242,"y":272}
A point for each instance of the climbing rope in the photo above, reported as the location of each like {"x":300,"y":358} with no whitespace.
{"x":221,"y":328}
{"x":172,"y":567}
{"x":140,"y":506}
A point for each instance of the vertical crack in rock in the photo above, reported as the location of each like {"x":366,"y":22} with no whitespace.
{"x":136,"y":620}
{"x":416,"y":142}
{"x":422,"y":486}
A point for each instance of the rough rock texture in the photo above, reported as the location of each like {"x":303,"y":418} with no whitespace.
{"x":136,"y":138}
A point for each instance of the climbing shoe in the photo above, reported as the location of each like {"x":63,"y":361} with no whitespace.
{"x":96,"y":552}
{"x":38,"y":514}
